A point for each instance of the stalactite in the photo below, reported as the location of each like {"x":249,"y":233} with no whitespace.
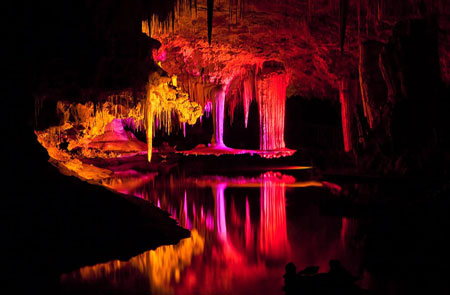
{"x":162,"y":102}
{"x":343,"y":9}
{"x":233,"y":99}
{"x":218,"y":116}
{"x":358,"y":3}
{"x":345,"y":114}
{"x":247,"y":98}
{"x":161,"y":24}
{"x":201,"y":92}
{"x":149,"y":128}
{"x":210,"y":19}
{"x":145,"y":27}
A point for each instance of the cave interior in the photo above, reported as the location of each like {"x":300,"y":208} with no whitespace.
{"x":137,"y":116}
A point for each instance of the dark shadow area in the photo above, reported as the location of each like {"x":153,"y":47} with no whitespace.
{"x":56,"y":223}
{"x":337,"y":280}
{"x":313,"y":124}
{"x":52,"y":223}
{"x":236,"y":135}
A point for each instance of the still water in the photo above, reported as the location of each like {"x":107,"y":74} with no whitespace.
{"x":244,"y":230}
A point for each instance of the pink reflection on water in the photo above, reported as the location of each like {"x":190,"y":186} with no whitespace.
{"x":209,"y":221}
{"x":221,"y":218}
{"x":273,"y":234}
{"x":187,"y":222}
{"x":344,"y":230}
{"x":248,"y":226}
{"x":246,"y":238}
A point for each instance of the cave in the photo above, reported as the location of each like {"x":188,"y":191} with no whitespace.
{"x":227,"y":147}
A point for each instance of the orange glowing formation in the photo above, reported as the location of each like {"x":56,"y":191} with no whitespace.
{"x":160,"y":266}
{"x":87,"y":128}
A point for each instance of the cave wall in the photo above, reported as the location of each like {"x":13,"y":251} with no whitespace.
{"x":350,"y":51}
{"x":404,"y":100}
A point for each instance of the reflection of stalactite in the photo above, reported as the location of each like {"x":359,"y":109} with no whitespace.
{"x":344,"y":230}
{"x":248,"y":226}
{"x":187,"y":222}
{"x":221,"y":217}
{"x":273,"y":231}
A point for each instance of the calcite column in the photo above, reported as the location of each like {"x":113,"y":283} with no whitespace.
{"x":219,"y":116}
{"x":271,"y":84}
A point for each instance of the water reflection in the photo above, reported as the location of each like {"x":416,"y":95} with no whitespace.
{"x":152,"y":271}
{"x":242,"y":236}
{"x":273,"y":232}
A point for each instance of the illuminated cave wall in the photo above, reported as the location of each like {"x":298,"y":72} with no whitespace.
{"x":318,"y":42}
{"x":219,"y":49}
{"x":223,"y":75}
